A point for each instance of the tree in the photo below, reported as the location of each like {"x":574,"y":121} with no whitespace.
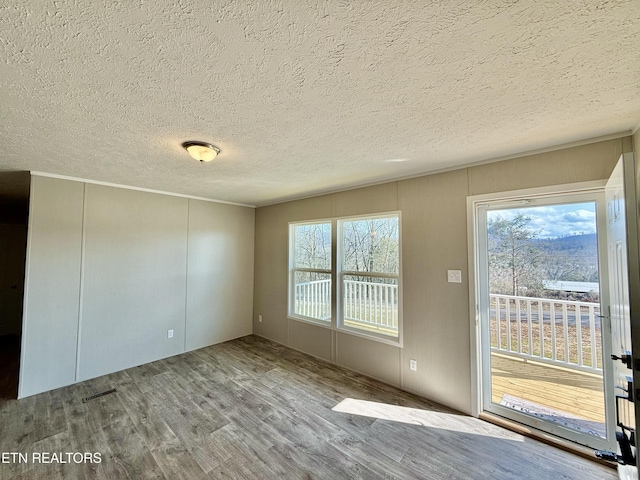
{"x":313,"y":245}
{"x":571,"y":258}
{"x":513,"y":255}
{"x":371,"y":245}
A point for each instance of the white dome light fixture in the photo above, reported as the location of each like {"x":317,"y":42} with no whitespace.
{"x":201,"y":151}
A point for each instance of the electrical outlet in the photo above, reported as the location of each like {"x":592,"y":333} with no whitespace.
{"x":413,"y":365}
{"x":260,"y":318}
{"x":454,"y":276}
{"x":169,"y":333}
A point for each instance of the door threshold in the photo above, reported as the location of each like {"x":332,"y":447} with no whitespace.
{"x":544,"y":437}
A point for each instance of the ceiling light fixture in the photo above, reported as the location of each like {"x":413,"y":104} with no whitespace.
{"x":202,"y":151}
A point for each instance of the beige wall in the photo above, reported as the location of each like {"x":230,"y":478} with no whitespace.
{"x":434,"y":239}
{"x":219,"y":273}
{"x":635,"y":147}
{"x":636,"y":151}
{"x":111,"y":270}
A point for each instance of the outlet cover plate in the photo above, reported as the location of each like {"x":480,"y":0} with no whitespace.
{"x":454,"y":276}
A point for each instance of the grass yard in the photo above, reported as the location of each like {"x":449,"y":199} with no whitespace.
{"x":531,"y":344}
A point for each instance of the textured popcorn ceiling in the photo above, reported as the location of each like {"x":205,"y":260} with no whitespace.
{"x":305,"y":96}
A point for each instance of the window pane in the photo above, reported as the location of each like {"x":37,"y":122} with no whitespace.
{"x":312,"y":244}
{"x":371,"y":304}
{"x":371,"y":245}
{"x":312,"y":295}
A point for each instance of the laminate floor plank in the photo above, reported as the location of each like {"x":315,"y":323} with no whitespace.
{"x":260,"y":403}
{"x":216,"y":366}
{"x":291,"y":390}
{"x":189,"y":423}
{"x":378,"y":459}
{"x":177,"y":463}
{"x":149,"y":424}
{"x":233,"y":443}
{"x":85,"y":436}
{"x":455,"y":445}
{"x":240,"y":467}
{"x":56,"y":446}
{"x":254,"y":409}
{"x":322,"y":461}
{"x":106,"y":410}
{"x":129,"y":451}
{"x":219,"y":398}
{"x":178,"y":369}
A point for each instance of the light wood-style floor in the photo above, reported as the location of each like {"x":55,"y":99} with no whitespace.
{"x":571,"y":391}
{"x":253,"y":409}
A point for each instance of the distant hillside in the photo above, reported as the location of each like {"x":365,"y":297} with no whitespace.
{"x":572,"y":258}
{"x":522,"y":263}
{"x":574,"y":242}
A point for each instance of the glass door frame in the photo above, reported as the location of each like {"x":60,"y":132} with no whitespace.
{"x":478,"y":206}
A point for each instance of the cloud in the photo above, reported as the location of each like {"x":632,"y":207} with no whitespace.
{"x":555,"y":220}
{"x":580,"y":216}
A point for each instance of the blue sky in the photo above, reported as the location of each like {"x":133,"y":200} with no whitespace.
{"x":556,"y":220}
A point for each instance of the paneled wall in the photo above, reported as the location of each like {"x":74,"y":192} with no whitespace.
{"x":52,"y":286}
{"x":219,"y":273}
{"x":437,"y":327}
{"x":134,"y":275}
{"x":110,"y":271}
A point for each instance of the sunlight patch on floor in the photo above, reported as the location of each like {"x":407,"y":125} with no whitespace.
{"x":425,"y":418}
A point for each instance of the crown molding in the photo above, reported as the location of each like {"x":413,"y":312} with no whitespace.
{"x":139,"y":189}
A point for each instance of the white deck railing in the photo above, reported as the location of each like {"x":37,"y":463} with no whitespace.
{"x":373,"y":304}
{"x":370,"y":304}
{"x":313,"y":299}
{"x":553,"y":331}
{"x":547,"y":330}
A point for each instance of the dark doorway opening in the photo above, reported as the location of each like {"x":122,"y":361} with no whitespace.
{"x":9,"y":366}
{"x":14,"y":212}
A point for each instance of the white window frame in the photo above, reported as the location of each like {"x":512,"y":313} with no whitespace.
{"x":293,"y":269}
{"x":475,"y":293}
{"x":341,"y":273}
{"x":336,"y":322}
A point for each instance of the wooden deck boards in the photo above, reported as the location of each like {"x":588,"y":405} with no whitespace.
{"x":571,"y":391}
{"x":253,"y":409}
